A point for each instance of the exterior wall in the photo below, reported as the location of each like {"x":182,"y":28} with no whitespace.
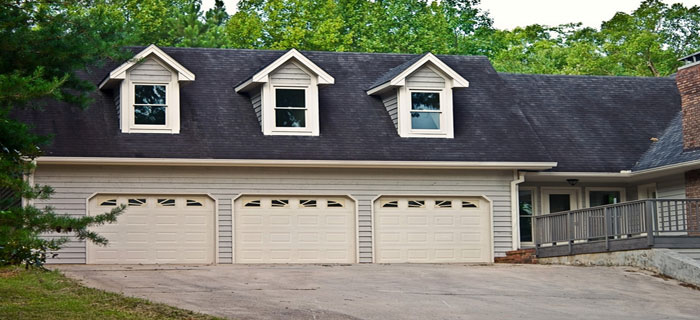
{"x":257,"y":105}
{"x":390,"y":101}
{"x":290,"y":74}
{"x":671,"y":187}
{"x":425,"y":78}
{"x":688,"y":81}
{"x":74,"y":184}
{"x":150,"y":70}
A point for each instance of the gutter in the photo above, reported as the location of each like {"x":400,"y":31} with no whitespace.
{"x":624,"y":174}
{"x":496,"y":165}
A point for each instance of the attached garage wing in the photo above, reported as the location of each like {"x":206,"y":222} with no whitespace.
{"x":294,"y":229}
{"x":155,"y":229}
{"x":432,"y":230}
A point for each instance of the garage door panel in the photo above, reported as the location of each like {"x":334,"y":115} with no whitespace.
{"x":294,"y":230}
{"x":432,"y":230}
{"x":156,"y":229}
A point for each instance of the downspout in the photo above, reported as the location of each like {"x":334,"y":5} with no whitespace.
{"x":518,"y":178}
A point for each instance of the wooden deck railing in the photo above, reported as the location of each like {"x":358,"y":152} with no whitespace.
{"x":635,"y":220}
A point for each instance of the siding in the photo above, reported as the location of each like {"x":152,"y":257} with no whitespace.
{"x":390,"y":101}
{"x":118,"y":103}
{"x":425,"y":78}
{"x":290,"y":74}
{"x":672,"y":187}
{"x":74,"y":184}
{"x":257,"y":104}
{"x":150,"y":70}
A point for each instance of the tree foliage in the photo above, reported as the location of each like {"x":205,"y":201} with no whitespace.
{"x":44,"y":44}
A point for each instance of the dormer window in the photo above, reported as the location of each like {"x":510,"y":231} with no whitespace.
{"x":418,"y":96}
{"x":150,"y":106}
{"x":290,"y":108}
{"x":284,"y":95}
{"x":147,"y":92}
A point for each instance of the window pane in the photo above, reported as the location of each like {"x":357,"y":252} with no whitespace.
{"x":425,"y":120}
{"x":290,"y":98}
{"x":526,"y":213}
{"x":150,"y":94}
{"x":290,"y":118}
{"x":559,"y":202}
{"x":600,"y":198}
{"x":525,"y":229}
{"x":425,"y":100}
{"x":149,"y":115}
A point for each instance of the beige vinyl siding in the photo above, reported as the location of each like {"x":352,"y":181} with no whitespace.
{"x":74,"y":184}
{"x":425,"y":78}
{"x":255,"y":98}
{"x":671,"y":187}
{"x":150,"y":71}
{"x":290,"y":74}
{"x":118,"y":102}
{"x":390,"y":101}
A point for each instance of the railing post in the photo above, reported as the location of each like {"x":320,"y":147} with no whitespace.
{"x":649,"y":208}
{"x":569,"y":228}
{"x":606,"y":227}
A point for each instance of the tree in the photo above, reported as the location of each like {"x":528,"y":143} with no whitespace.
{"x":45,"y":44}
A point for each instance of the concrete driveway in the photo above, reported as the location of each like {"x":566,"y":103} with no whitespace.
{"x":401,"y":291}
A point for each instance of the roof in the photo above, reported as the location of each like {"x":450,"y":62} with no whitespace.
{"x":600,"y":124}
{"x":261,"y":75}
{"x":596,"y":123}
{"x":395,"y":71}
{"x":218,"y":123}
{"x":668,"y":150}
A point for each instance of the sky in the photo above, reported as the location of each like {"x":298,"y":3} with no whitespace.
{"x":508,"y":14}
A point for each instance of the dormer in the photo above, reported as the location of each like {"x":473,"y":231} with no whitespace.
{"x":418,"y":96}
{"x":284,"y":95}
{"x":147,"y":92}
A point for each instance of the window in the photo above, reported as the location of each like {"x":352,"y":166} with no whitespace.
{"x":194,"y":203}
{"x":416,"y":203}
{"x":468,"y":204}
{"x":278,"y":203}
{"x":443,"y":204}
{"x":335,"y":203}
{"x":252,"y":203}
{"x":601,"y":198}
{"x":308,"y":203}
{"x":526,"y":213}
{"x":290,"y":108}
{"x":149,"y":104}
{"x":109,"y":203}
{"x":166,"y":202}
{"x":425,"y":110}
{"x":390,"y":204}
{"x":137,"y":202}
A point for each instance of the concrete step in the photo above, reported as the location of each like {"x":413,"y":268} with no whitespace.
{"x":690,"y":253}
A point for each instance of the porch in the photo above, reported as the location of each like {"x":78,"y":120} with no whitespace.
{"x":641,"y":224}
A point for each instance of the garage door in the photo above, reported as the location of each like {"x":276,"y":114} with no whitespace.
{"x":155,"y":229}
{"x":285,"y":229}
{"x":426,"y":230}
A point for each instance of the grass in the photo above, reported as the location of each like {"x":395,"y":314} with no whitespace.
{"x":37,"y":294}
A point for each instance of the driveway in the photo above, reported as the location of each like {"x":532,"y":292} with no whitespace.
{"x":401,"y":291}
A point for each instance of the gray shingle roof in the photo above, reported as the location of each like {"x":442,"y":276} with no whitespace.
{"x":584,"y":123}
{"x":669,"y":149}
{"x":391,"y":74}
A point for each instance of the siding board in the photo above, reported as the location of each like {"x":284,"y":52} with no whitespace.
{"x":74,"y":184}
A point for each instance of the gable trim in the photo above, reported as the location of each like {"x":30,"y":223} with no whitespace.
{"x":263,"y":76}
{"x":120,"y":72}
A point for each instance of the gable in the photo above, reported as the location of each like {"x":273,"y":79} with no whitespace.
{"x":290,"y":74}
{"x":425,"y":77}
{"x":150,"y":70}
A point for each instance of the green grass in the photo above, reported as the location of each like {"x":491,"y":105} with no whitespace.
{"x":36,"y":294}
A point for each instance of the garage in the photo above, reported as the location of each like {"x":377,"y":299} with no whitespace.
{"x":432,"y":230}
{"x":294,"y":229}
{"x":155,"y":229}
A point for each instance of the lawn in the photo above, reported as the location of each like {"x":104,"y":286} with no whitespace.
{"x":36,"y":294}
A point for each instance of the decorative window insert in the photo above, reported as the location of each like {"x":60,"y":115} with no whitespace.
{"x":139,"y":202}
{"x":252,"y":203}
{"x":166,"y":202}
{"x":390,"y":204}
{"x":416,"y":203}
{"x":150,"y":105}
{"x":443,"y":204}
{"x":109,"y":203}
{"x":290,"y":108}
{"x":307,"y":203}
{"x":469,"y":204}
{"x":425,"y":110}
{"x":194,"y":203}
{"x":279,"y":203}
{"x":335,"y":204}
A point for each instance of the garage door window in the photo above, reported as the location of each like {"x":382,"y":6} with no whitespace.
{"x":137,"y":202}
{"x":194,"y":203}
{"x":468,"y":204}
{"x":443,"y":204}
{"x":416,"y":203}
{"x":335,"y":204}
{"x":307,"y":203}
{"x":253,"y":203}
{"x":166,"y":202}
{"x":109,"y":203}
{"x":279,"y":203}
{"x":390,"y":204}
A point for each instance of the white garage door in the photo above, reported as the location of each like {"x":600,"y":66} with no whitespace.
{"x":297,"y":229}
{"x":155,"y":229}
{"x":427,"y":230}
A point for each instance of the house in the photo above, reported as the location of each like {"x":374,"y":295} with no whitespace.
{"x":251,"y":156}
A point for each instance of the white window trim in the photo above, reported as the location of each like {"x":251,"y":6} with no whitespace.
{"x":443,"y":112}
{"x":306,"y":109}
{"x":535,"y":212}
{"x":587,"y":191}
{"x":405,"y":107}
{"x":267,"y":98}
{"x":172,"y":99}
